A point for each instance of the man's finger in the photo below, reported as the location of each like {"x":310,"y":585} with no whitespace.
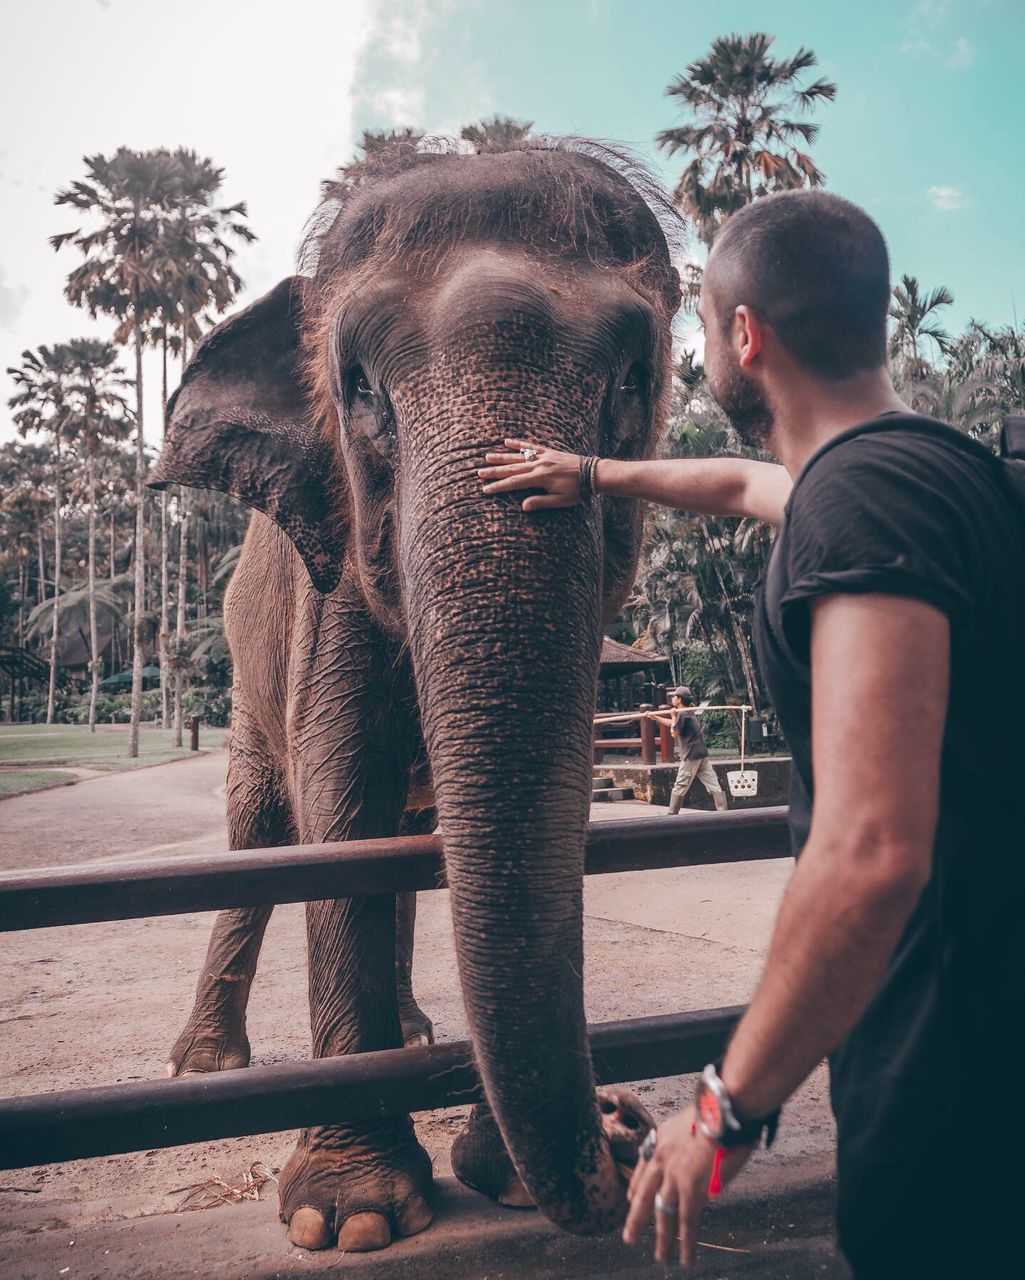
{"x":506,"y":469}
{"x":505,"y":459}
{"x":522,"y":444}
{"x":665,"y":1222}
{"x":508,"y":485}
{"x":499,"y":473}
{"x":643,"y":1201}
{"x":687,"y":1227}
{"x":546,"y":502}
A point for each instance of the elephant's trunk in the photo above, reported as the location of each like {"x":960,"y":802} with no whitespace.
{"x":505,"y":631}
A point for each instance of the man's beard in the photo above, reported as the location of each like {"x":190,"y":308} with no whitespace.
{"x":744,"y":404}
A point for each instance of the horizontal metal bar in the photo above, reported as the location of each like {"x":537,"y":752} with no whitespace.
{"x":38,"y":899}
{"x":111,"y":1120}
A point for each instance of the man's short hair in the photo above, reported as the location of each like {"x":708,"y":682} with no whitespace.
{"x":684,"y":694}
{"x":815,"y":268}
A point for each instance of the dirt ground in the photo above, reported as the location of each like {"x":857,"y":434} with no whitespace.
{"x":102,"y":1003}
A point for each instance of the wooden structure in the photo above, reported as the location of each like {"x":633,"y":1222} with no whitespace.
{"x":629,"y":677}
{"x":108,"y":1119}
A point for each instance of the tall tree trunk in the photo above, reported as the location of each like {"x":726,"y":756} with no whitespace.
{"x":111,"y":565}
{"x":41,"y":584}
{"x":51,"y":696}
{"x":140,"y":547}
{"x":94,"y":639}
{"x":736,"y":630}
{"x":165,"y":690}
{"x":202,"y":557}
{"x":183,"y":567}
{"x":183,"y":570}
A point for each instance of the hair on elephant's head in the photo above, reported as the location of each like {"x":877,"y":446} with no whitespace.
{"x":448,"y":301}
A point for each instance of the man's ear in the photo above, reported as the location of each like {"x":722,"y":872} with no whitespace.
{"x":748,"y":335}
{"x":240,"y":424}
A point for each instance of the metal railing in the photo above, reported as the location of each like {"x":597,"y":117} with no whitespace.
{"x":112,"y":1119}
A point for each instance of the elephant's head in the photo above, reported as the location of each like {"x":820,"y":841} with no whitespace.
{"x":456,"y":300}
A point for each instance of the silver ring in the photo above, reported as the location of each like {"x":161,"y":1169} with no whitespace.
{"x":647,"y":1149}
{"x":664,"y":1207}
{"x":529,"y":455}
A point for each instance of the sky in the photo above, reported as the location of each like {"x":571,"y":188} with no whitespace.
{"x":925,"y":132}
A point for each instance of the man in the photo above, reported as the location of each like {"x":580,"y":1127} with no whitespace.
{"x":690,"y":743}
{"x":892,"y":617}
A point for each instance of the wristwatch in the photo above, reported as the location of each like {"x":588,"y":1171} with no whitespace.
{"x":719,"y":1120}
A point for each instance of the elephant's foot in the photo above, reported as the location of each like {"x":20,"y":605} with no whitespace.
{"x":479,"y":1159}
{"x":417,"y":1028}
{"x":209,"y":1044}
{"x":359,"y":1189}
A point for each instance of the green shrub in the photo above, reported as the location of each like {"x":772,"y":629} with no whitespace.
{"x":213,"y":706}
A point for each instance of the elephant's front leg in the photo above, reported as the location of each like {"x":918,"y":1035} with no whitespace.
{"x":362,"y":1182}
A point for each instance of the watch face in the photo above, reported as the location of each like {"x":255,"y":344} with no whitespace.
{"x":708,"y":1110}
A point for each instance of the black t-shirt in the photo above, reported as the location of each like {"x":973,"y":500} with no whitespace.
{"x":689,"y":737}
{"x":905,"y":506}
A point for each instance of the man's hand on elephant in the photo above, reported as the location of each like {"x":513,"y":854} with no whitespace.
{"x":678,"y":1176}
{"x":558,"y":474}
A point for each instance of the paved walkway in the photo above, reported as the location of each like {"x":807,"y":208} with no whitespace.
{"x":102,"y":1003}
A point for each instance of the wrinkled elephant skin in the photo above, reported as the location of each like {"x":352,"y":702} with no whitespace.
{"x":382,"y":602}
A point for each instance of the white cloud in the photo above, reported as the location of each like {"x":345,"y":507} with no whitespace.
{"x":946,"y":198}
{"x":395,"y":105}
{"x":962,"y":54}
{"x":391,"y":71}
{"x":956,"y":55}
{"x":930,"y":10}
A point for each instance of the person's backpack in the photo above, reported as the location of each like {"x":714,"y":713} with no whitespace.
{"x":1012,"y":455}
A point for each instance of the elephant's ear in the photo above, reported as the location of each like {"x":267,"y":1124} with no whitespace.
{"x":240,"y":423}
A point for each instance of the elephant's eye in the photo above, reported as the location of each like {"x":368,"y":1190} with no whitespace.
{"x":633,"y":380}
{"x":361,"y":383}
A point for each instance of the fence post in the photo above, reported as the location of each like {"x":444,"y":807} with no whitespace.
{"x":193,"y":733}
{"x":665,"y":736}
{"x":647,"y":735}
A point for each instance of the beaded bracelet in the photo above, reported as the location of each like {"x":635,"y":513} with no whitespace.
{"x":588,"y":466}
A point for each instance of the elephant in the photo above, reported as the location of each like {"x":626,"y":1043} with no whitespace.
{"x":444,"y":301}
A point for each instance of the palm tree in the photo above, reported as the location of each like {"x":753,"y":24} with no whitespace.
{"x":200,"y":280}
{"x":500,"y":133}
{"x":26,"y":495}
{"x":745,"y":138}
{"x":199,"y":277}
{"x":373,"y":140}
{"x":130,"y":194}
{"x":41,"y":404}
{"x":914,"y":314}
{"x":102,"y":417}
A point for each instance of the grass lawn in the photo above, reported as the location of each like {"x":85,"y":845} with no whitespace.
{"x":71,"y":744}
{"x":20,"y":780}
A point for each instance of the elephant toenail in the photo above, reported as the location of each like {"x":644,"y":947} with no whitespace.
{"x":308,"y":1229}
{"x":363,"y":1233}
{"x":414,"y":1216}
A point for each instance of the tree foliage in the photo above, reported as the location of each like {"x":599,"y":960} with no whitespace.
{"x":748,"y":134}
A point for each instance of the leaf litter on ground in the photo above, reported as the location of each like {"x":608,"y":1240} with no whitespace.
{"x":213,"y":1192}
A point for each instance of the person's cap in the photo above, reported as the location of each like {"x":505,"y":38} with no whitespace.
{"x":682,"y":692}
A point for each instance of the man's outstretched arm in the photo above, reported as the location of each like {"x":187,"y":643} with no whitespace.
{"x":859,"y":877}
{"x":707,"y":486}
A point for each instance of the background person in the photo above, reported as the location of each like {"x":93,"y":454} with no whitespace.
{"x":690,"y":742}
{"x":893,"y":608}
